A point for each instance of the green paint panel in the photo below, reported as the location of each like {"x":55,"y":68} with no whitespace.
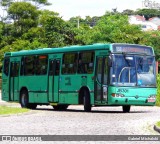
{"x":131,"y":95}
{"x":38,"y":98}
{"x":34,"y":83}
{"x":68,"y":98}
{"x":5,"y":88}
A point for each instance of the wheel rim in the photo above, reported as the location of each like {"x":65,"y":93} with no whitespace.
{"x":23,"y":100}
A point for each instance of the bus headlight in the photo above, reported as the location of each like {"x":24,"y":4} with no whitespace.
{"x":117,"y":95}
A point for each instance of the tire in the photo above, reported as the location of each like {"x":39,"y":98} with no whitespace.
{"x":60,"y":107}
{"x":126,"y":108}
{"x":24,"y":99}
{"x":86,"y":101}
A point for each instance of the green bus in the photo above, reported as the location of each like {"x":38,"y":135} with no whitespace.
{"x":90,"y":75}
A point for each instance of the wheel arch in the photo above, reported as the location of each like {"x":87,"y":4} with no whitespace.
{"x":22,"y":89}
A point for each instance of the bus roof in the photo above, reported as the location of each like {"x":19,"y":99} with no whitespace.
{"x":75,"y":48}
{"x":59,"y":50}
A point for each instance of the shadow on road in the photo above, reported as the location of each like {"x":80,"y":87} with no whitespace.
{"x":93,"y":111}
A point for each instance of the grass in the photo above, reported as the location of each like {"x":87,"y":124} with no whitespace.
{"x":158,"y":124}
{"x":158,"y":90}
{"x":4,"y":110}
{"x":158,"y":96}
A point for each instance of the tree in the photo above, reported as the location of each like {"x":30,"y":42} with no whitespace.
{"x":152,"y":39}
{"x":24,"y":15}
{"x":128,"y":12}
{"x":115,"y":29}
{"x":39,"y":3}
{"x":148,"y":13}
{"x":5,"y":4}
{"x":57,"y":31}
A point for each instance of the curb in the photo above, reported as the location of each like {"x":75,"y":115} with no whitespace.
{"x":156,"y":128}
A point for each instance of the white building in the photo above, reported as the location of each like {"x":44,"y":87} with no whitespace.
{"x":140,"y":20}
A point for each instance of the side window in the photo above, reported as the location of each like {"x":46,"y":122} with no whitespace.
{"x":6,"y":66}
{"x":14,"y":69}
{"x":51,"y":67}
{"x":29,"y":66}
{"x":105,"y":71}
{"x":22,"y":66}
{"x":99,"y":69}
{"x":102,"y":70}
{"x":57,"y":67}
{"x":86,"y":62}
{"x":69,"y":65}
{"x":54,"y":67}
{"x":41,"y":65}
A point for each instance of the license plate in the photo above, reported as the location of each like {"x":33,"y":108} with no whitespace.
{"x":151,"y":100}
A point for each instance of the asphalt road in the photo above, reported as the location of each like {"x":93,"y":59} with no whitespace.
{"x":101,"y":121}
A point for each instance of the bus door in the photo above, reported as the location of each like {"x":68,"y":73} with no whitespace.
{"x":53,"y":88}
{"x":6,"y":79}
{"x":101,"y":79}
{"x":14,"y":81}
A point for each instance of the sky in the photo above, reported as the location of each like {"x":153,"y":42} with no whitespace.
{"x":82,"y":8}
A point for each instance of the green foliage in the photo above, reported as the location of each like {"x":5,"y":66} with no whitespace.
{"x":116,"y":29}
{"x":5,"y":3}
{"x":128,"y":12}
{"x":31,"y":28}
{"x":57,"y":32}
{"x":158,"y":124}
{"x":18,"y":45}
{"x":148,"y":13}
{"x":24,"y":16}
{"x":158,"y":90}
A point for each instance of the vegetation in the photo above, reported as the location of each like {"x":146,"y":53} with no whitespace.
{"x":148,"y":13}
{"x":158,"y":91}
{"x":4,"y":110}
{"x":25,"y":26}
{"x":158,"y":124}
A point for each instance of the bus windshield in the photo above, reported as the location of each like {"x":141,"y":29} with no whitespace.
{"x":133,"y":70}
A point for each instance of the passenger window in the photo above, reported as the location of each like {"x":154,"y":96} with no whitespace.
{"x":29,"y":66}
{"x":106,"y":71}
{"x":57,"y":67}
{"x":86,"y":62}
{"x":54,"y":67}
{"x":69,"y":65}
{"x":41,"y":65}
{"x":51,"y":67}
{"x":14,"y":69}
{"x":22,"y":66}
{"x":99,"y":69}
{"x":6,"y":66}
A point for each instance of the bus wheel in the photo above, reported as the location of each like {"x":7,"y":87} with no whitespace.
{"x":86,"y":101}
{"x":60,"y":107}
{"x":24,"y":99}
{"x":126,"y":108}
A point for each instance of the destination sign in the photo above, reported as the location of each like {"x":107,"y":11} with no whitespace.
{"x":132,"y":49}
